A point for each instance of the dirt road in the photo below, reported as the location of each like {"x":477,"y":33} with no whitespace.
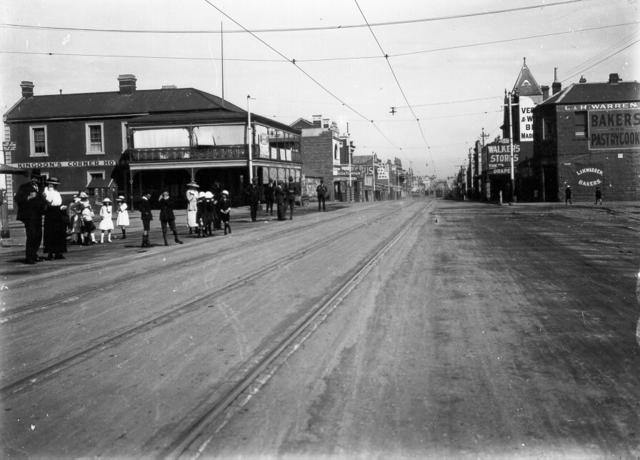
{"x":480,"y":331}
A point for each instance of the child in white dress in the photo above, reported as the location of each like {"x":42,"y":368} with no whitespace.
{"x":122,"y":220}
{"x":106,"y":222}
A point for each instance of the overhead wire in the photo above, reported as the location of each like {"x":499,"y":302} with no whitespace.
{"x":327,"y":59}
{"x":309,"y":76}
{"x":293,"y":29}
{"x":395,"y":77}
{"x":587,"y":65}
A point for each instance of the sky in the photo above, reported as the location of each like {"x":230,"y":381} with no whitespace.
{"x":446,"y":68}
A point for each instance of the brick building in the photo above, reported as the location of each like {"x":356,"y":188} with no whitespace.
{"x":146,"y":140}
{"x":588,"y":135}
{"x":326,"y":155}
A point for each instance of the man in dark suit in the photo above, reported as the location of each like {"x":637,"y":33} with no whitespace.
{"x":30,"y":210}
{"x":291,"y":191}
{"x":253,"y":194}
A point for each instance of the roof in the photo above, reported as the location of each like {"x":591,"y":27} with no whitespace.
{"x":525,"y":84}
{"x":114,"y":103}
{"x":203,"y":117}
{"x":302,"y":123}
{"x":592,"y":93}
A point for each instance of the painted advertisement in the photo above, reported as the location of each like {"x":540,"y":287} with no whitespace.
{"x":526,"y":106}
{"x":499,"y":158}
{"x":614,"y":129}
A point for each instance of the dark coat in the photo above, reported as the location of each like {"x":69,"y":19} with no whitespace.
{"x":145,"y":210}
{"x":29,"y":207}
{"x":253,"y":193}
{"x":291,"y":190}
{"x":166,"y":210}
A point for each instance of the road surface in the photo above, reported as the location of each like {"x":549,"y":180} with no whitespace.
{"x":410,"y":328}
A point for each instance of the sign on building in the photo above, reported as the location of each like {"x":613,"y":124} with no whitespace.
{"x":614,"y":129}
{"x":526,"y":106}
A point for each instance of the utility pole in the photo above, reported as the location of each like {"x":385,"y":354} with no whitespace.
{"x":373,"y":162}
{"x":249,"y":139}
{"x":349,"y":158}
{"x":222,"y":60}
{"x":512,"y":175}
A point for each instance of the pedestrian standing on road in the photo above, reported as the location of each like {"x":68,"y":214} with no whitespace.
{"x":106,"y":222}
{"x":225,"y":211}
{"x":280,"y":196}
{"x":291,"y":192}
{"x":208,"y":213}
{"x":30,"y":209}
{"x":567,"y":196}
{"x":74,"y":211}
{"x":55,"y":222}
{"x":167,"y":217}
{"x":598,"y":195}
{"x":192,"y":206}
{"x":253,"y":195}
{"x":122,"y":219}
{"x":200,"y":214}
{"x":88,"y":227}
{"x":321,"y":190}
{"x":217,"y":194}
{"x":146,"y":216}
{"x":269,"y":196}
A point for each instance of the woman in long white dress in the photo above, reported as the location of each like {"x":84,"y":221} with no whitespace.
{"x":192,"y":206}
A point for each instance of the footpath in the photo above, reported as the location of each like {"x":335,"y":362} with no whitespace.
{"x":12,"y":248}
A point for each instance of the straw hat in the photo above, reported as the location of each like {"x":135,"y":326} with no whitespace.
{"x":193,"y":184}
{"x":53,"y":180}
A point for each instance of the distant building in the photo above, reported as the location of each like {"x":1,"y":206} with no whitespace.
{"x":326,"y":155}
{"x":588,"y":135}
{"x":147,"y":140}
{"x":525,"y":95}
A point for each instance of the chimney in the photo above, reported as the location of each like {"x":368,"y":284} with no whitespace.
{"x":614,"y":78}
{"x":127,"y":83}
{"x":317,"y":121}
{"x":556,"y":86}
{"x":27,"y":88}
{"x":545,"y":92}
{"x":582,"y":79}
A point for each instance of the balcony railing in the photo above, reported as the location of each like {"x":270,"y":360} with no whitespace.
{"x":209,"y":153}
{"x":226,"y":152}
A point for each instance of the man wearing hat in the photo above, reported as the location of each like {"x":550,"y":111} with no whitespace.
{"x":146,"y":216}
{"x":55,"y":225}
{"x":30,"y":209}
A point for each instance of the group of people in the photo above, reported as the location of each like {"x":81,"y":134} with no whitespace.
{"x":274,"y":192}
{"x":74,"y":223}
{"x":63,"y":223}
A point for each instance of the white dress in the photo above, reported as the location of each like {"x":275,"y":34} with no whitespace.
{"x":192,"y":208}
{"x":123,"y":215}
{"x":106,"y":212}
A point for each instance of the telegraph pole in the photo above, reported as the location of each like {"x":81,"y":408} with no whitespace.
{"x":512,"y":174}
{"x":249,"y":139}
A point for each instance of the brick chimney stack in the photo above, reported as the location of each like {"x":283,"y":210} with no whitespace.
{"x":127,"y":83}
{"x":317,"y":121}
{"x":545,"y":92}
{"x":614,"y":78}
{"x":27,"y":88}
{"x":556,"y":86}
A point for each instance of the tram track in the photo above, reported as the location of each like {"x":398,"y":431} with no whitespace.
{"x":117,"y":336}
{"x":89,"y":289}
{"x":191,"y":441}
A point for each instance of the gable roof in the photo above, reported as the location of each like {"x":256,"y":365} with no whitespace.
{"x":302,"y":123}
{"x":526,"y":84}
{"x":114,"y":103}
{"x":590,"y":93}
